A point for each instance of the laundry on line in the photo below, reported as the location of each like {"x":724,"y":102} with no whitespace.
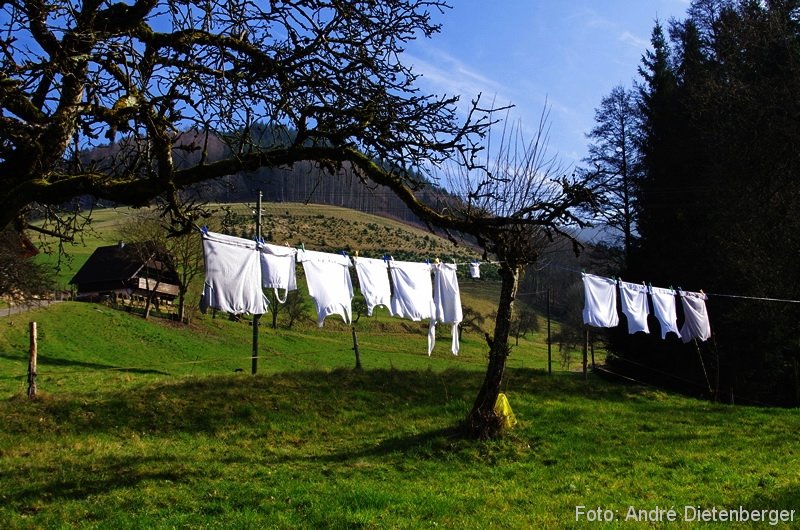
{"x":600,"y":309}
{"x":237,"y":269}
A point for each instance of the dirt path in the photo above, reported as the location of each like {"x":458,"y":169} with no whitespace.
{"x":17,"y":309}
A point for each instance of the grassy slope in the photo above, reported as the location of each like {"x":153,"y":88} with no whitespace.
{"x":146,"y":425}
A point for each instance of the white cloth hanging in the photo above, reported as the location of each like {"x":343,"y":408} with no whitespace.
{"x":664,"y":310}
{"x":696,"y":324}
{"x":474,"y":269}
{"x":633,"y":299}
{"x":412,"y":297}
{"x":278,"y":269}
{"x":233,"y":275}
{"x":600,"y":309}
{"x":447,"y":300}
{"x":329,"y":283}
{"x":373,"y":279}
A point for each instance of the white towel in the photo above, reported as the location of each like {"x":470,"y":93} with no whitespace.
{"x":329,"y":283}
{"x":664,"y":310}
{"x":278,"y":269}
{"x":373,"y":278}
{"x":600,"y":309}
{"x":695,"y":324}
{"x":447,"y":300}
{"x":412,"y":297}
{"x":413,"y":290}
{"x":233,"y":275}
{"x":633,"y":298}
{"x":474,"y":269}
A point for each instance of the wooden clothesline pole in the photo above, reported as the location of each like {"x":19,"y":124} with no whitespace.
{"x":32,"y":362}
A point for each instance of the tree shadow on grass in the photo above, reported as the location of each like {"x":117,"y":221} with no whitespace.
{"x":54,"y":361}
{"x":767,"y":498}
{"x":291,"y":400}
{"x":93,"y":476}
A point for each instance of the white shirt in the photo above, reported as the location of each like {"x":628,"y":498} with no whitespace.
{"x":413,"y":290}
{"x":373,"y":279}
{"x":278,"y":269}
{"x":329,"y":283}
{"x":233,"y":275}
{"x":600,"y":309}
{"x":695,"y":324}
{"x":664,"y":310}
{"x":633,"y":299}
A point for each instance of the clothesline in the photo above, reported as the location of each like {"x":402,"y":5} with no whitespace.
{"x":476,"y":262}
{"x":758,"y":298}
{"x":237,"y":269}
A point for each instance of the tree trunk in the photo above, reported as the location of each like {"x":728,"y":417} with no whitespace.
{"x":483,"y":422}
{"x":181,"y":304}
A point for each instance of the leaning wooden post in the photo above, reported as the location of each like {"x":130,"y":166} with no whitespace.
{"x":549,"y":339}
{"x":355,"y":349}
{"x":32,"y":364}
{"x":585,"y":351}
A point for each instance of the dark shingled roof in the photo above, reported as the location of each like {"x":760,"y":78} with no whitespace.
{"x":118,"y":263}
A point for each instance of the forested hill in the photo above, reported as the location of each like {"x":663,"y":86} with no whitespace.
{"x":302,"y":182}
{"x":305,"y":183}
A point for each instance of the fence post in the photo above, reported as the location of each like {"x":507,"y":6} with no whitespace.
{"x":355,"y":349}
{"x":32,"y":363}
{"x":585,"y":350}
{"x":549,"y":339}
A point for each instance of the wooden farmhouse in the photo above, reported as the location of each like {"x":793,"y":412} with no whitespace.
{"x":128,"y":271}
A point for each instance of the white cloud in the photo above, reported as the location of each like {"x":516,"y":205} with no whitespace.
{"x":447,"y":74}
{"x":635,"y":41}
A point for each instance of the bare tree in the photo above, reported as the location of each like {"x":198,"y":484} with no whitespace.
{"x":146,"y":84}
{"x":152,"y":238}
{"x":515,"y":208}
{"x":21,"y":278}
{"x":614,"y":157}
{"x":522,"y":322}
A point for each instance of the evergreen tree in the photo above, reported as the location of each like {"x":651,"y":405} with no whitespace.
{"x":719,"y":203}
{"x":614,"y":156}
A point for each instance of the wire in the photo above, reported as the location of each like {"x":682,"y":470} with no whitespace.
{"x":755,"y":298}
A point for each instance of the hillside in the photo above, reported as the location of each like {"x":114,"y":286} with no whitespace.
{"x":144,"y":424}
{"x":318,"y":227}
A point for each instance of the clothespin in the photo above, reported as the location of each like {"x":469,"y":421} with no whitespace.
{"x":343,"y":253}
{"x":356,"y":253}
{"x":204,"y":229}
{"x":436,"y":261}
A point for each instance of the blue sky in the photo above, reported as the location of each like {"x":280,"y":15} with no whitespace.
{"x":567,"y":54}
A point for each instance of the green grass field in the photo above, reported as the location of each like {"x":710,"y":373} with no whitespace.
{"x":152,"y":424}
{"x":147,"y":425}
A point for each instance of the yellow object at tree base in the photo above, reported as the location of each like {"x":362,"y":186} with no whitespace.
{"x":503,"y":409}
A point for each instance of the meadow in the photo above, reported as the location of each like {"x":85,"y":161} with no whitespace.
{"x":147,"y":424}
{"x":153,"y":424}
